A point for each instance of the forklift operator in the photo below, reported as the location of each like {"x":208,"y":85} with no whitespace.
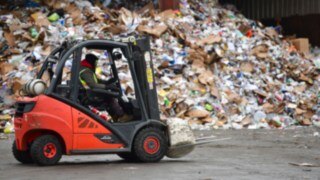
{"x":89,"y":80}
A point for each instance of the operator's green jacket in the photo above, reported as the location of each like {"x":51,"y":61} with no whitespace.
{"x":89,"y":79}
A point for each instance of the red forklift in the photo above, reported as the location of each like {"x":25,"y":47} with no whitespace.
{"x":56,"y":121}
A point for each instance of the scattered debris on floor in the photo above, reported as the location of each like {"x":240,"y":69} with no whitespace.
{"x":304,"y":164}
{"x":3,"y":136}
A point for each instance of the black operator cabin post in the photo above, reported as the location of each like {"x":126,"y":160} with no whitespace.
{"x":143,"y":66}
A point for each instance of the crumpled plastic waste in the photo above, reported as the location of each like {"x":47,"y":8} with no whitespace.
{"x":9,"y":128}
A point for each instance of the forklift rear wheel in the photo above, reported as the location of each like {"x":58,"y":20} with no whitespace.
{"x":46,"y":150}
{"x":130,"y":157}
{"x":150,"y":145}
{"x":21,"y":156}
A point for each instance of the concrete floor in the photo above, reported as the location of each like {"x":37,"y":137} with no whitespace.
{"x":249,"y":154}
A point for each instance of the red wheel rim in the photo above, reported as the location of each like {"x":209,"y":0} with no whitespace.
{"x":49,"y":150}
{"x":151,"y":145}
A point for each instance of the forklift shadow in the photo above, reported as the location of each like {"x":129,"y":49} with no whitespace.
{"x":113,"y":162}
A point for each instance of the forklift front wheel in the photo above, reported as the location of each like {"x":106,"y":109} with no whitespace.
{"x":150,"y":145}
{"x":46,"y":150}
{"x":22,"y":156}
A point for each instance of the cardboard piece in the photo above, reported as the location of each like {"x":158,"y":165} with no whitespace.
{"x":198,"y":66}
{"x":6,"y":68}
{"x":302,"y":45}
{"x":206,"y":77}
{"x":247,"y":67}
{"x":5,"y":117}
{"x":221,"y":122}
{"x":233,"y":97}
{"x":75,"y":14}
{"x":261,"y":93}
{"x":268,"y":108}
{"x":56,"y":4}
{"x":46,"y":50}
{"x":306,"y":122}
{"x":300,"y":89}
{"x":157,"y":30}
{"x":246,"y":121}
{"x":10,"y":39}
{"x":270,"y":32}
{"x":209,"y":120}
{"x":198,"y":113}
{"x":167,"y":14}
{"x":300,"y":111}
{"x":209,"y":40}
{"x":187,"y":28}
{"x":214,"y":91}
{"x":114,"y":29}
{"x":305,"y":78}
{"x":127,"y":17}
{"x":16,"y":86}
{"x":212,"y":58}
{"x":40,"y":19}
{"x":261,"y":51}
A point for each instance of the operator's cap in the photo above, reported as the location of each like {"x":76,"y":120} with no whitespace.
{"x":91,"y":58}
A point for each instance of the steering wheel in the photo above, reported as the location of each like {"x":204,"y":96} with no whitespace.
{"x":104,"y":92}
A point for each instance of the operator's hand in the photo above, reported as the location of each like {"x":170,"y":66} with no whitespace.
{"x":111,"y":81}
{"x":112,"y":87}
{"x":108,"y":82}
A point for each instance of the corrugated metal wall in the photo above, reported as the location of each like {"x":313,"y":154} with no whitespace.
{"x":263,"y":9}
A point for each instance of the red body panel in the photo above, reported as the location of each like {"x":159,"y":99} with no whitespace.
{"x":84,"y":124}
{"x":84,"y":129}
{"x":75,"y":129}
{"x":48,"y":115}
{"x":90,"y":142}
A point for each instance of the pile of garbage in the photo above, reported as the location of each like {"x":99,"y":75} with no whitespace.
{"x":315,"y":52}
{"x":214,"y":67}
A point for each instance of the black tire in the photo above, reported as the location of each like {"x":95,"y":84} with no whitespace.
{"x":150,"y":145}
{"x":22,"y":156}
{"x":46,"y":150}
{"x":130,"y":157}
